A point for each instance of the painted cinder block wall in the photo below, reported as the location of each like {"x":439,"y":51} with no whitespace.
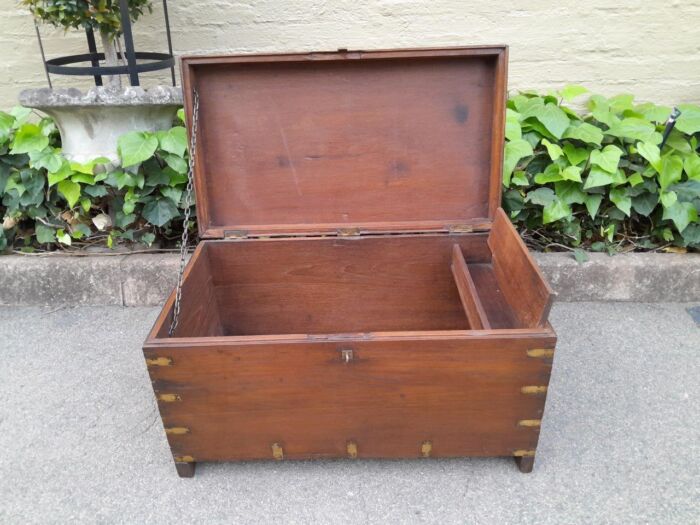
{"x":648,"y":47}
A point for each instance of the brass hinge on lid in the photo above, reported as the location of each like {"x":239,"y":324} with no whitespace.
{"x":460,"y":228}
{"x":348,"y":232}
{"x":235,"y":234}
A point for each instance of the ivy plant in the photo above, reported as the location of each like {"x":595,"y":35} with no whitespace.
{"x":601,"y":180}
{"x":48,"y":200}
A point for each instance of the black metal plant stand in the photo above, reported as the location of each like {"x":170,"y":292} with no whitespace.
{"x":154,"y":61}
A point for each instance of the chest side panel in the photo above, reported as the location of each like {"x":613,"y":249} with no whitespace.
{"x":465,"y":397}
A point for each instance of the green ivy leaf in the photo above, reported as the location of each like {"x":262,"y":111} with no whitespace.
{"x":635,"y":128}
{"x":621,"y":199}
{"x":29,"y":138}
{"x":47,"y":158}
{"x":136,"y":147}
{"x":520,"y":179}
{"x":622,"y":102}
{"x":600,"y":109}
{"x":645,"y":203}
{"x":21,"y":114}
{"x":177,"y":163}
{"x":569,"y":192}
{"x":668,"y":198}
{"x":181,"y":114}
{"x":61,"y":174}
{"x":553,"y":118}
{"x":691,"y":235}
{"x":555,"y":210}
{"x":689,"y":121}
{"x":173,"y":194}
{"x":513,"y":129}
{"x":85,"y":204}
{"x":635,"y":179}
{"x":658,"y":114}
{"x":682,"y":214}
{"x":6,"y":124}
{"x":540,"y":196}
{"x":514,"y":151}
{"x":608,"y":158}
{"x":572,"y":91}
{"x":585,"y":132}
{"x":147,"y":239}
{"x":575,"y":155}
{"x":593,"y":203}
{"x":580,"y":256}
{"x":554,"y":150}
{"x":82,"y":177}
{"x":671,"y":170}
{"x":63,"y":237}
{"x":551,"y":174}
{"x":123,"y":179}
{"x":598,"y":177}
{"x":174,"y":141}
{"x":687,"y":191}
{"x":691,"y":165}
{"x":70,"y":191}
{"x":572,"y":173}
{"x":160,"y":211}
{"x":95,"y":191}
{"x":651,"y":153}
{"x":44,"y":234}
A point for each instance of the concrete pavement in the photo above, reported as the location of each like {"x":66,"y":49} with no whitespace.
{"x":81,"y":441}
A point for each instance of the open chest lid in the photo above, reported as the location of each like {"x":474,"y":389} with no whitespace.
{"x":348,"y":142}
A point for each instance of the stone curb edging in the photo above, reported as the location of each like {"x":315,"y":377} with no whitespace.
{"x":147,"y":279}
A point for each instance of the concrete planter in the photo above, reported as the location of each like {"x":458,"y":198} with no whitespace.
{"x":147,"y":279}
{"x":91,"y":123}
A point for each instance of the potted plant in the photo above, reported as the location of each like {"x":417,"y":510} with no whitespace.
{"x":99,"y":16}
{"x":91,"y":122}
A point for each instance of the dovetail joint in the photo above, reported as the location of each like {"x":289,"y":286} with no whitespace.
{"x":534,"y":389}
{"x":169,"y":398}
{"x":178,"y":431}
{"x":541,"y":352}
{"x":159,"y":361}
{"x":183,"y":459}
{"x":426,"y":448}
{"x":277,"y":451}
{"x":529,"y":422}
{"x":352,"y":449}
{"x":524,"y":453}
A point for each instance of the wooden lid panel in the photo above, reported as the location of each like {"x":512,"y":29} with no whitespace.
{"x":381,"y":141}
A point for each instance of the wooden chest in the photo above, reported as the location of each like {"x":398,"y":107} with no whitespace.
{"x":358,"y":292}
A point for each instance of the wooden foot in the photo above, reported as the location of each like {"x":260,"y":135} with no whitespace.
{"x":185,"y":470}
{"x":525,"y":463}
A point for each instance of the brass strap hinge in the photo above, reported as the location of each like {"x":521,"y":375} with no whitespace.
{"x":460,"y":228}
{"x":159,"y":361}
{"x":348,"y":232}
{"x":542,"y":353}
{"x":534,"y":389}
{"x":277,"y":451}
{"x":169,"y":398}
{"x":529,"y":422}
{"x":177,"y":431}
{"x":235,"y":234}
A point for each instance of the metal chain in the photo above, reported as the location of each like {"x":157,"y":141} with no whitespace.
{"x":185,"y":221}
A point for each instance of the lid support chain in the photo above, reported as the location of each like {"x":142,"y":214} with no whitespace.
{"x":186,"y":218}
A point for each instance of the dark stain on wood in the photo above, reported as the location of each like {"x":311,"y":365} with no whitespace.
{"x":461,"y":113}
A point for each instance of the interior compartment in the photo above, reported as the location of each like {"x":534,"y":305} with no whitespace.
{"x":371,"y":284}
